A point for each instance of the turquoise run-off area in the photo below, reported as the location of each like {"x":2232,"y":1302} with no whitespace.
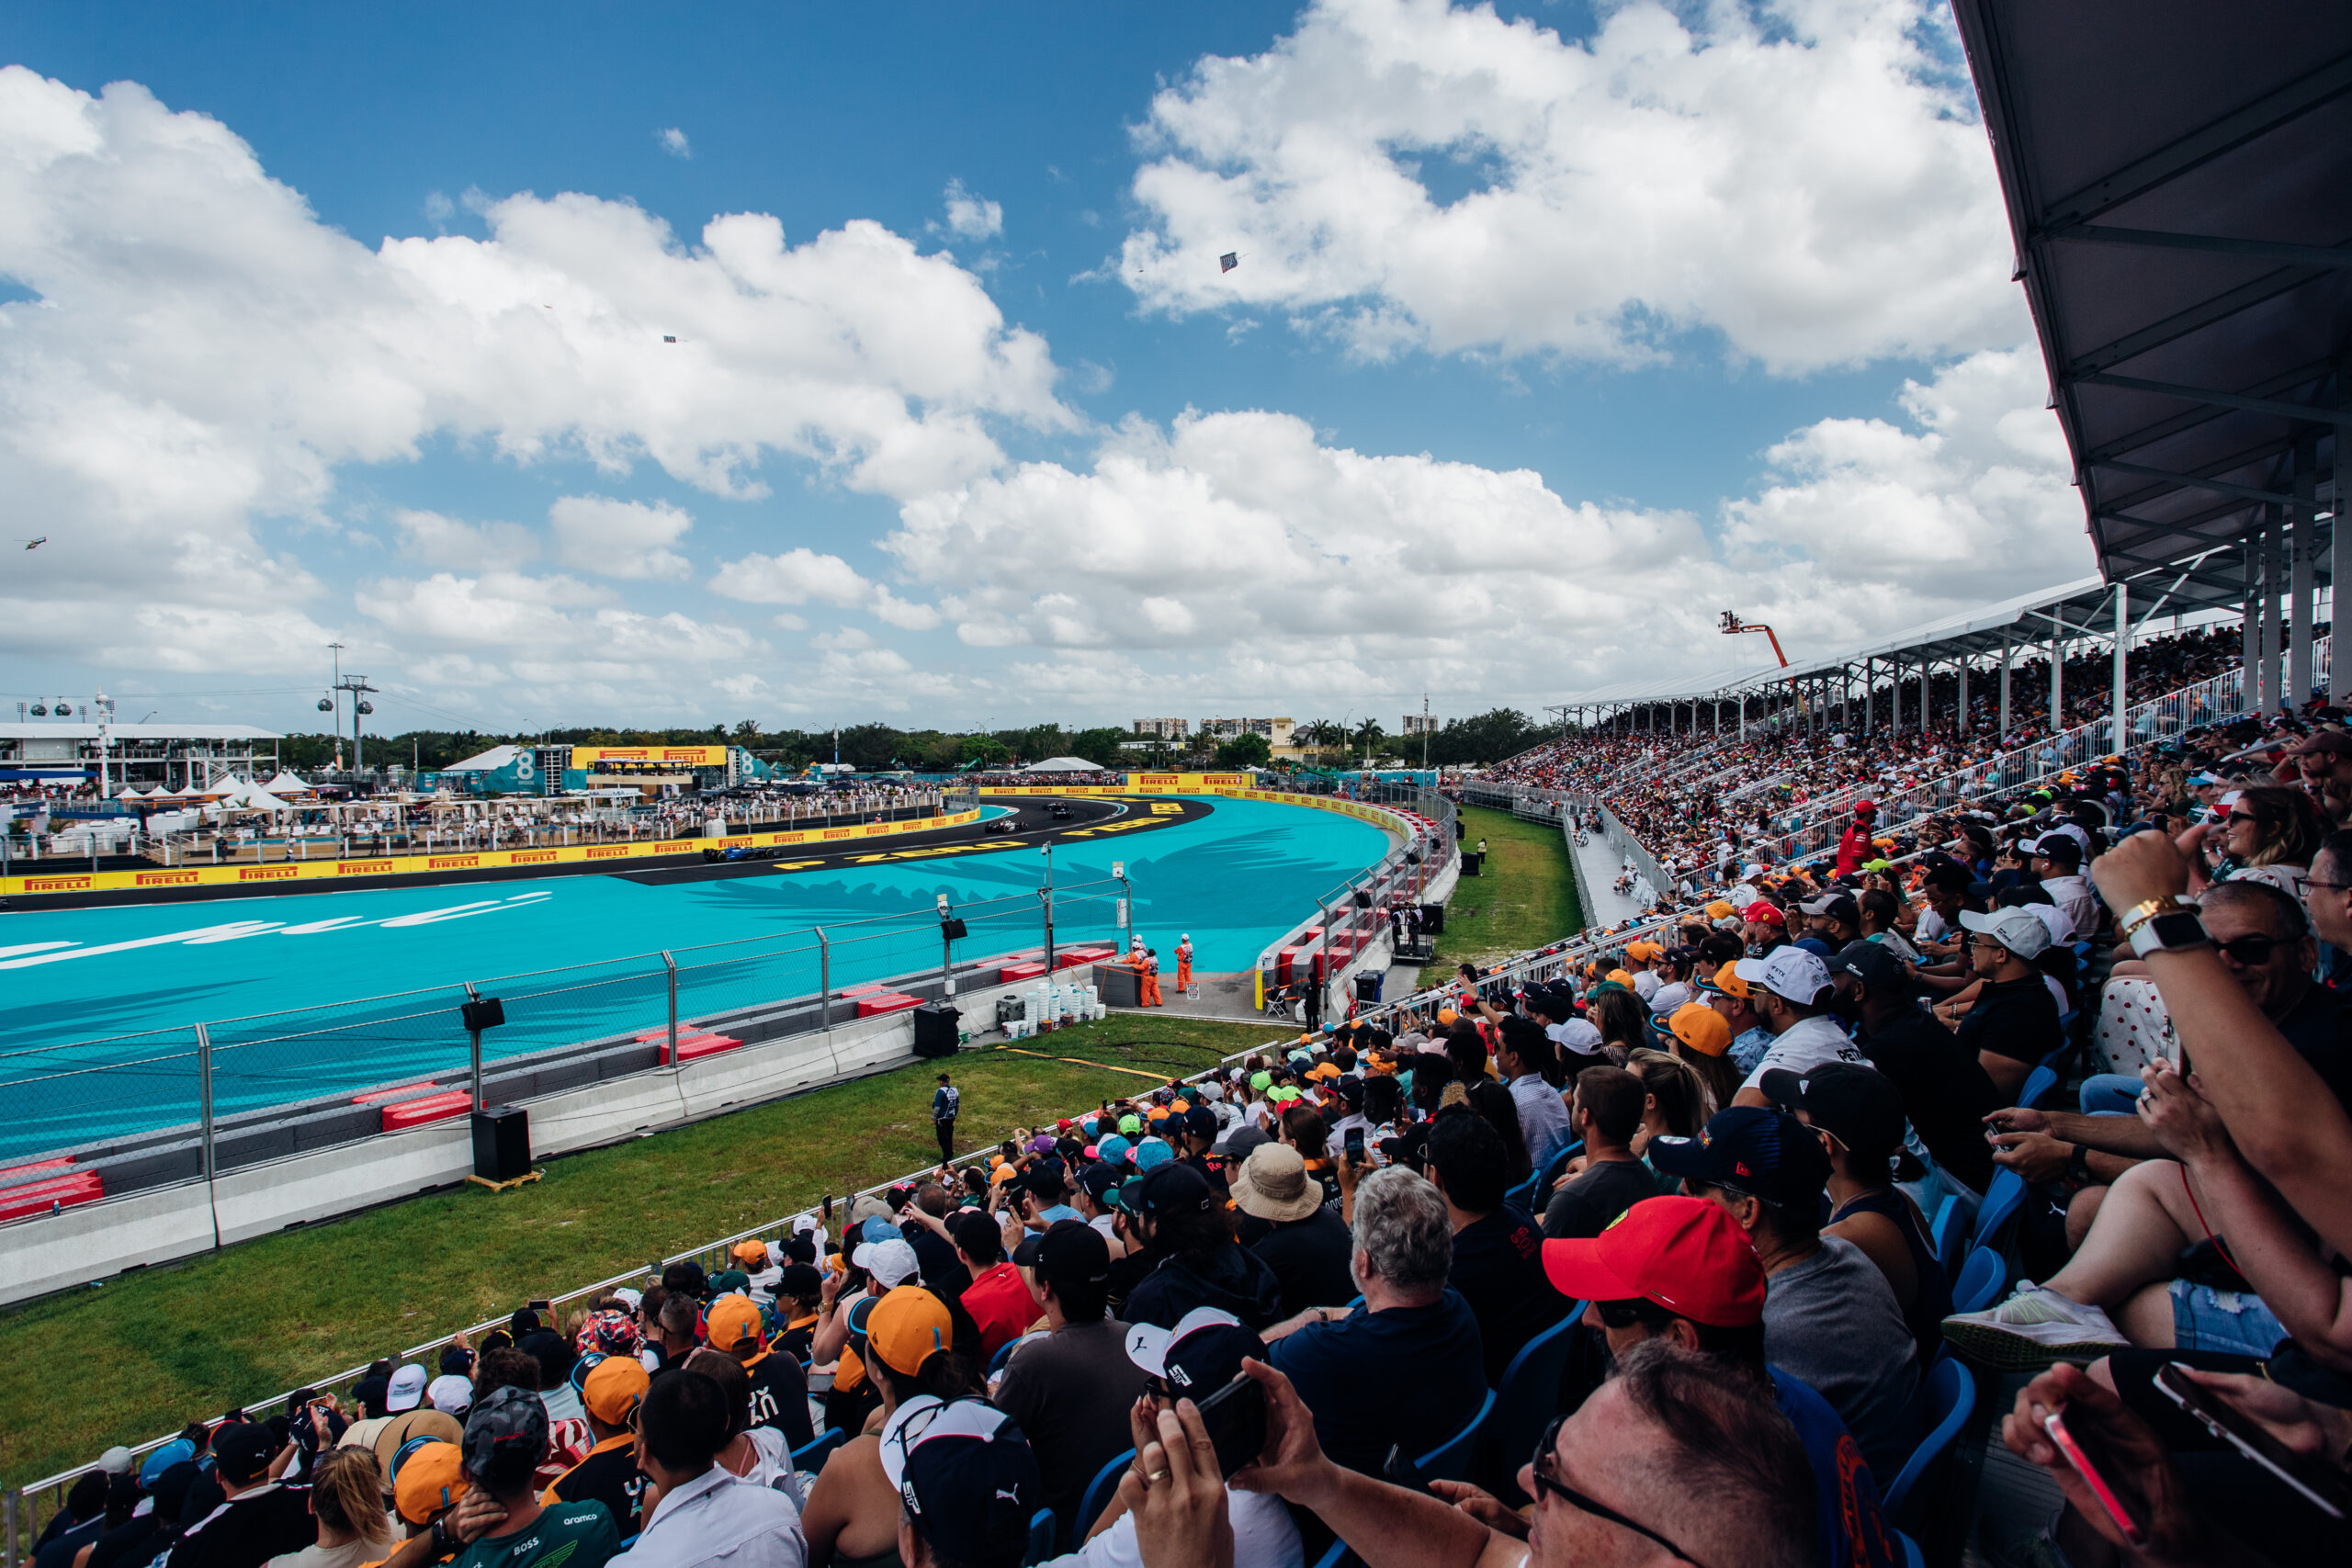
{"x":298,"y":992}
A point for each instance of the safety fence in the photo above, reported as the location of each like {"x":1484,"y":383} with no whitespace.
{"x":1350,"y":916}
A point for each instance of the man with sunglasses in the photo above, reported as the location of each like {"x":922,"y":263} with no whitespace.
{"x":1680,"y":1271}
{"x":1609,"y":1482}
{"x":2013,"y":1023}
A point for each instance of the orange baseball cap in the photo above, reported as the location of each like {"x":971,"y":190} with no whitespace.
{"x":1726,"y":980}
{"x":754,"y":1253}
{"x":907,"y":1327}
{"x":731,"y":1321}
{"x":1698,"y":1026}
{"x":430,"y":1479}
{"x":613,"y":1387}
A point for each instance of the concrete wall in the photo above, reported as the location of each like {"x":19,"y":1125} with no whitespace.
{"x":90,"y":1242}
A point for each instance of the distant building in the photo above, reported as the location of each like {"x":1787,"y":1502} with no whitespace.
{"x":1162,"y":729}
{"x":1421,"y":723}
{"x":173,"y":756}
{"x":1275,"y":730}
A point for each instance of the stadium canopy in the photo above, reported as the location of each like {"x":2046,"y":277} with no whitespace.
{"x":2179,"y":178}
{"x":1064,"y":766}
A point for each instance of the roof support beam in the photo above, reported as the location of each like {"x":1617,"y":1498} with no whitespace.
{"x":2208,"y":142}
{"x":2180,"y":323}
{"x":2189,"y":418}
{"x":2261,"y":250}
{"x":2313,"y":413}
{"x":2191,"y":481}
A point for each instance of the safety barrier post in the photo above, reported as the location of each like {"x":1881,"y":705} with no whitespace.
{"x":670,"y":979}
{"x":825,"y":984}
{"x":474,"y":1035}
{"x":204,"y":1111}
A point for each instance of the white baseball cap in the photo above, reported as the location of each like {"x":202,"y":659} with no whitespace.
{"x":892,"y":1263}
{"x":1789,"y":973}
{"x":407,"y":1390}
{"x":450,"y":1395}
{"x":2018,"y":928}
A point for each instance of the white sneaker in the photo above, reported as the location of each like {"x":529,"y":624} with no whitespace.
{"x":2033,"y":1328}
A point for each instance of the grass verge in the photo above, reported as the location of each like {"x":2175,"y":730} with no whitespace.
{"x":1525,"y":897}
{"x":161,"y":1346}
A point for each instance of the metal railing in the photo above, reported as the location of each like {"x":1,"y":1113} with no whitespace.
{"x":1352,"y":914}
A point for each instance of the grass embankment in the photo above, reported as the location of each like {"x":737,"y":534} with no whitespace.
{"x":152,"y":1349}
{"x":1525,"y":897}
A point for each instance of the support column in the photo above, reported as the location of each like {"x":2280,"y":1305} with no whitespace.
{"x":2008,"y":653}
{"x":2339,"y":668}
{"x":2298,"y":589}
{"x":2274,"y":631}
{"x":1869,"y":694}
{"x":2119,"y":700}
{"x":2250,"y":623}
{"x":1926,"y":712}
{"x":1960,"y":712}
{"x":1894,"y":694}
{"x":2057,"y":680}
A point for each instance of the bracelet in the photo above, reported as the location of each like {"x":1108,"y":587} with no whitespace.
{"x":2147,"y":909}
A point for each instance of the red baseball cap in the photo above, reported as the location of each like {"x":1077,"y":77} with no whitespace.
{"x":1686,"y":1254}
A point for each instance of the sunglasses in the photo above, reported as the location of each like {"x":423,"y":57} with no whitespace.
{"x":2249,"y":950}
{"x":2244,"y":816}
{"x":1547,"y":1481}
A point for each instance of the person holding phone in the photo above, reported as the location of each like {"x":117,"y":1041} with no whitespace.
{"x":1199,"y":1359}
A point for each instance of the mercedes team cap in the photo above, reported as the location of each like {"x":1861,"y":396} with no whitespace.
{"x":1686,"y":1254}
{"x":1765,"y":1154}
{"x":407,"y":1388}
{"x":1199,"y":1356}
{"x":1857,"y":1105}
{"x":1789,"y":973}
{"x":450,"y":1393}
{"x":2018,"y":928}
{"x":967,"y":1476}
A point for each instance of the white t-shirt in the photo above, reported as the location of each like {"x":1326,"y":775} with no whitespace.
{"x":1810,"y":1043}
{"x":1645,"y":984}
{"x":1263,"y":1536}
{"x":1668,"y":998}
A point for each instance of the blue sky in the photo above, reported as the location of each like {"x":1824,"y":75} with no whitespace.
{"x":1555,"y":333}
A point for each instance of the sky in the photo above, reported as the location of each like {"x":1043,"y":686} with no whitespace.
{"x":584,"y":364}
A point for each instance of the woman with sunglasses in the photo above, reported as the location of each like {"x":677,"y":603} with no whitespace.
{"x":2270,"y":834}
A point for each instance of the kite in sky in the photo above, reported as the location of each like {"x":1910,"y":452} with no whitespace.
{"x":1229,"y":261}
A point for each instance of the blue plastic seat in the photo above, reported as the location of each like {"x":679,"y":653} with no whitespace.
{"x":2003,"y":1196}
{"x":1949,"y":1239}
{"x":2038,"y":1083}
{"x":1003,"y":1354}
{"x":1331,"y":1557}
{"x":1527,"y":1399}
{"x":1457,"y":1457}
{"x":1912,"y":1556}
{"x":1951,"y":1396}
{"x":1980,"y":1281}
{"x":811,"y":1456}
{"x":1041,"y":1538}
{"x":1521,"y":1195}
{"x":1096,"y":1498}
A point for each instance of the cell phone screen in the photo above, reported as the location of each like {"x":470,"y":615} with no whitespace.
{"x":2091,"y":1461}
{"x":1235,"y":1418}
{"x":2325,"y":1490}
{"x":1353,"y":1143}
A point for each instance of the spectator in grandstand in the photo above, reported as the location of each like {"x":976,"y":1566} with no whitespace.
{"x":1304,"y":1241}
{"x":1610,"y":1104}
{"x":83,"y":1518}
{"x":1698,"y":1036}
{"x":756,"y":1454}
{"x":1731,"y":997}
{"x":1945,"y":1091}
{"x":778,"y":1388}
{"x":2272,"y":834}
{"x":1070,"y":1390}
{"x":2012,"y":1023}
{"x":1833,"y":918}
{"x":1674,"y":1099}
{"x":1614,"y":1472}
{"x":1829,"y":1316}
{"x":1790,"y":991}
{"x":1200,"y":1355}
{"x":923,"y":1225}
{"x":1191,"y":1254}
{"x":258,"y":1518}
{"x":999,"y":1303}
{"x":696,"y":1511}
{"x":609,"y":1474}
{"x":1854,"y":844}
{"x":1406,"y":1367}
{"x":1681,"y":1271}
{"x":967,"y":1483}
{"x":1497,"y":1264}
{"x":1525,"y":1060}
{"x":853,"y":1513}
{"x":1858,"y":1113}
{"x":2058,"y":861}
{"x":1619,"y":1016}
{"x":505,"y":1439}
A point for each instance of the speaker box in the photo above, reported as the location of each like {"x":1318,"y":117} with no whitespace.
{"x":502,"y":1142}
{"x":1118,"y":984}
{"x":935,"y":1030}
{"x":1473,"y":863}
{"x":1433,"y":919}
{"x":1368,"y":984}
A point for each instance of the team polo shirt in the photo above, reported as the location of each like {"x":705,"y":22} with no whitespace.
{"x":608,"y":1475}
{"x":780,"y":1398}
{"x":574,"y":1535}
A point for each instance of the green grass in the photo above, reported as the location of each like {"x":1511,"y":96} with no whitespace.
{"x":1526,"y":897}
{"x":158,"y":1348}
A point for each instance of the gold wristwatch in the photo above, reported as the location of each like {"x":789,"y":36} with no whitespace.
{"x":2147,"y":909}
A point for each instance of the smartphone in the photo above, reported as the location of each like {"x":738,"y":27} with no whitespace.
{"x":1235,"y":1418}
{"x":2326,"y":1489}
{"x":1354,"y":1144}
{"x":540,"y":1304}
{"x":2076,"y":1454}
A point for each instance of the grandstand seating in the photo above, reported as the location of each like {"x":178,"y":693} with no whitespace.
{"x":1948,"y":1396}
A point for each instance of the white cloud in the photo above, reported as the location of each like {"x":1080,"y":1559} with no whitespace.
{"x":971,"y":216}
{"x":436,"y":541}
{"x":203,"y":355}
{"x":792,"y":578}
{"x":1808,"y":176}
{"x":619,"y":538}
{"x":674,"y":142}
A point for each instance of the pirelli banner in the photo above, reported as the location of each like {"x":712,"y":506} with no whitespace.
{"x":1137,"y":784}
{"x":441,"y":864}
{"x":647,"y":758}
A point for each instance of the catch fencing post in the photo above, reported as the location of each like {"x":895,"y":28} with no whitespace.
{"x":204,"y":1111}
{"x":1045,"y":897}
{"x":670,"y":979}
{"x":825,"y":984}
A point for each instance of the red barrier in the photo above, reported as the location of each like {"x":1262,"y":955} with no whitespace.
{"x":375,"y":1095}
{"x":431,"y":1108}
{"x":704,"y":1044}
{"x":1022,"y":971}
{"x":875,"y":1005}
{"x":55,"y":1193}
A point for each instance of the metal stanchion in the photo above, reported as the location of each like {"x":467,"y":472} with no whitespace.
{"x":670,"y":976}
{"x":203,"y":1103}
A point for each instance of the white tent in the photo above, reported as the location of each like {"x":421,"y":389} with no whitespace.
{"x":158,"y":793}
{"x":1063,"y":765}
{"x":130,"y":794}
{"x":252,"y":800}
{"x":287,"y":784}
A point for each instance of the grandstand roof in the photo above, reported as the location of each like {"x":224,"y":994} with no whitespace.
{"x":2178,"y":176}
{"x":59,"y":729}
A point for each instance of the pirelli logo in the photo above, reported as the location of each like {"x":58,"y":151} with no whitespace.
{"x":1158,"y":778}
{"x":58,"y":884}
{"x":364,"y":868}
{"x":268,"y":873}
{"x":531,"y":857}
{"x":166,"y":879}
{"x":831,"y":833}
{"x":452,"y":862}
{"x":608,"y":852}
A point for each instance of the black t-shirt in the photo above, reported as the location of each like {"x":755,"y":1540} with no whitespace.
{"x":797,"y":1340}
{"x":1591,"y":1203}
{"x":1946,"y":1092}
{"x":247,"y":1531}
{"x":1311,"y":1261}
{"x":780,"y":1398}
{"x":2319,"y":1029}
{"x":1499,"y":1270}
{"x":610,"y":1476}
{"x":935,"y":1258}
{"x":1211,"y":1166}
{"x":2017,"y":1019}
